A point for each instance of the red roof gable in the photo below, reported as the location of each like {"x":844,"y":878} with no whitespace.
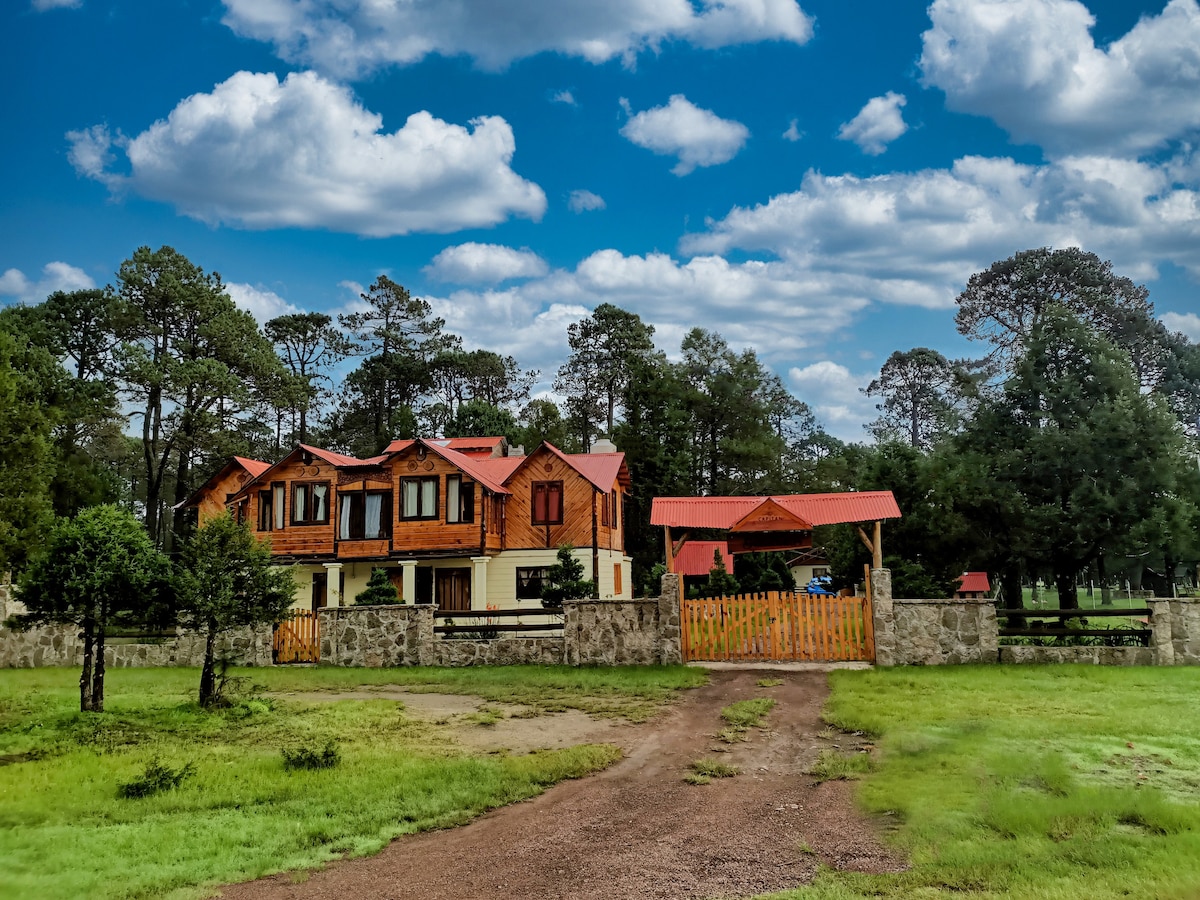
{"x":601,"y":469}
{"x":696,"y":557}
{"x":817,"y":509}
{"x":254,"y":466}
{"x":974,"y":583}
{"x":477,"y":447}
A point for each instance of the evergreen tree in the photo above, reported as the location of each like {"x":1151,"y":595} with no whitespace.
{"x":379,"y":590}
{"x":96,"y":570}
{"x":227,"y":579}
{"x":564,"y":580}
{"x":720,"y":583}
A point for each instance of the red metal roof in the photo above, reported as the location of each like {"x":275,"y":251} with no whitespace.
{"x":469,"y":465}
{"x":334,"y":459}
{"x":501,"y":467}
{"x":254,"y":466}
{"x":974,"y":582}
{"x":819,"y":509}
{"x":696,"y":557}
{"x":477,"y":447}
{"x":601,"y":469}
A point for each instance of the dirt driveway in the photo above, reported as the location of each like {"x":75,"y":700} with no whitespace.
{"x":637,"y":830}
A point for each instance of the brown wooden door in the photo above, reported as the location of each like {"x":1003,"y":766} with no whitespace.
{"x":454,"y":590}
{"x":298,"y":638}
{"x":320,"y":590}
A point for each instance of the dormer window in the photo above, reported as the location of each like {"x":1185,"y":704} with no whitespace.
{"x":310,"y":503}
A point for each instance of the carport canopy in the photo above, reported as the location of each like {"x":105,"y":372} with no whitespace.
{"x":782,"y":522}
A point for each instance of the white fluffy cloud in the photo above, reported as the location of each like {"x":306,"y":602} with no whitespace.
{"x":698,"y":137}
{"x":877,"y":124}
{"x":1034,"y":68}
{"x":916,"y":237}
{"x":793,"y":133}
{"x":564,"y":97}
{"x":56,"y":276}
{"x":583,"y":201}
{"x":1188,"y":323}
{"x":474,"y":263}
{"x":261,"y":303}
{"x":260,"y":153}
{"x":351,"y":38}
{"x":43,"y":5}
{"x":835,"y":395}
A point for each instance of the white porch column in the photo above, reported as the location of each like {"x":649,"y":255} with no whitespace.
{"x":479,"y":582}
{"x":408,"y":581}
{"x":333,"y":584}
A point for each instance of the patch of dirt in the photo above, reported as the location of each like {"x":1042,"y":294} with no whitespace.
{"x":518,"y":730}
{"x":637,"y":830}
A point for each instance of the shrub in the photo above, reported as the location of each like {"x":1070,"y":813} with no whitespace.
{"x":156,"y":778}
{"x":379,"y":590}
{"x":308,"y":758}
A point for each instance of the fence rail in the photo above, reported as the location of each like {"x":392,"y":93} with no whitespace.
{"x":479,"y":622}
{"x":778,"y":625}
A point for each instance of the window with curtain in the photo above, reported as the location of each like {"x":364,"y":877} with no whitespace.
{"x":365,"y":515}
{"x":419,"y":498}
{"x":547,"y":503}
{"x":279,"y":492}
{"x":310,"y":504}
{"x":460,"y":500}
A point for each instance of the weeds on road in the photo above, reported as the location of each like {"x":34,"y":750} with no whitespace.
{"x":747,"y":713}
{"x":768,"y":682}
{"x":834,"y":765}
{"x":713,"y":768}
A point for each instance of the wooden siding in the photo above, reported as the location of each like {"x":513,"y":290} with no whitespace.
{"x":578,"y":496}
{"x":425,"y":536}
{"x":212,"y":502}
{"x":298,"y":540}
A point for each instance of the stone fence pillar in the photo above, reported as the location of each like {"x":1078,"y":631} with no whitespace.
{"x":884,"y":617}
{"x":670,"y":637}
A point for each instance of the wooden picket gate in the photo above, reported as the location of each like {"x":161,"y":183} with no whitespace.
{"x":298,"y":638}
{"x":778,"y":625}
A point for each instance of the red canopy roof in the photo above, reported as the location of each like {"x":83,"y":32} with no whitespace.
{"x":815,"y":509}
{"x":696,"y":557}
{"x":974,"y":583}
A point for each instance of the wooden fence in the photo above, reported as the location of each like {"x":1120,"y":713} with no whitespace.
{"x":778,"y":625}
{"x":298,"y":638}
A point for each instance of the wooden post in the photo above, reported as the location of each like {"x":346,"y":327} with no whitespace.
{"x":595,"y":550}
{"x":877,"y":546}
{"x":670,"y":551}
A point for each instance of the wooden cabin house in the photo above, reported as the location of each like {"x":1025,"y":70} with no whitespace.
{"x":455,"y":522}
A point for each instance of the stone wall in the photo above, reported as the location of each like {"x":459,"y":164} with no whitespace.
{"x":930,"y":632}
{"x":503,"y":651}
{"x":1095,"y":656}
{"x":60,"y":645}
{"x":595,"y":632}
{"x":373,"y":636}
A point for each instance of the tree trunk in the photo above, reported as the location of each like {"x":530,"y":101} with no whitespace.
{"x":1010,"y":586}
{"x":208,"y":681}
{"x":85,"y":679}
{"x":1068,"y":596}
{"x":98,"y":672}
{"x":1102,"y":577}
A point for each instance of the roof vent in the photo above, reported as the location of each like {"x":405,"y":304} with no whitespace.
{"x":604,"y":445}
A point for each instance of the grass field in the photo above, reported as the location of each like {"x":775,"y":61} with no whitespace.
{"x":1028,"y":782}
{"x":64,"y":832}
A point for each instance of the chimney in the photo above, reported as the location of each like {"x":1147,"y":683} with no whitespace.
{"x":603,"y":445}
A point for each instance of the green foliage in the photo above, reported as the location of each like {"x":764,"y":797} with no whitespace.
{"x":156,"y":778}
{"x":1026,"y":781}
{"x":189,"y":359}
{"x":96,"y":570}
{"x":227,"y":579}
{"x":921,"y":392}
{"x":764,"y":572}
{"x":240,"y":816}
{"x":720,"y":582}
{"x":748,"y":713}
{"x":379,"y":590}
{"x":834,"y":765}
{"x":27,"y":463}
{"x":564,"y":580}
{"x":308,"y":758}
{"x":712,"y":768}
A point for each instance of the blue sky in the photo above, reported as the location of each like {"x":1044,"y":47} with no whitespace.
{"x":814,"y":180}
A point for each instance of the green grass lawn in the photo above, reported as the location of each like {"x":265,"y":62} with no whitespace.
{"x":1028,"y":781}
{"x":64,"y":833}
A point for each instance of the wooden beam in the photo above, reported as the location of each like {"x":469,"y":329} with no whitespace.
{"x":595,"y":550}
{"x":877,"y":552}
{"x":866,"y":540}
{"x":683,"y":539}
{"x":670,"y":553}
